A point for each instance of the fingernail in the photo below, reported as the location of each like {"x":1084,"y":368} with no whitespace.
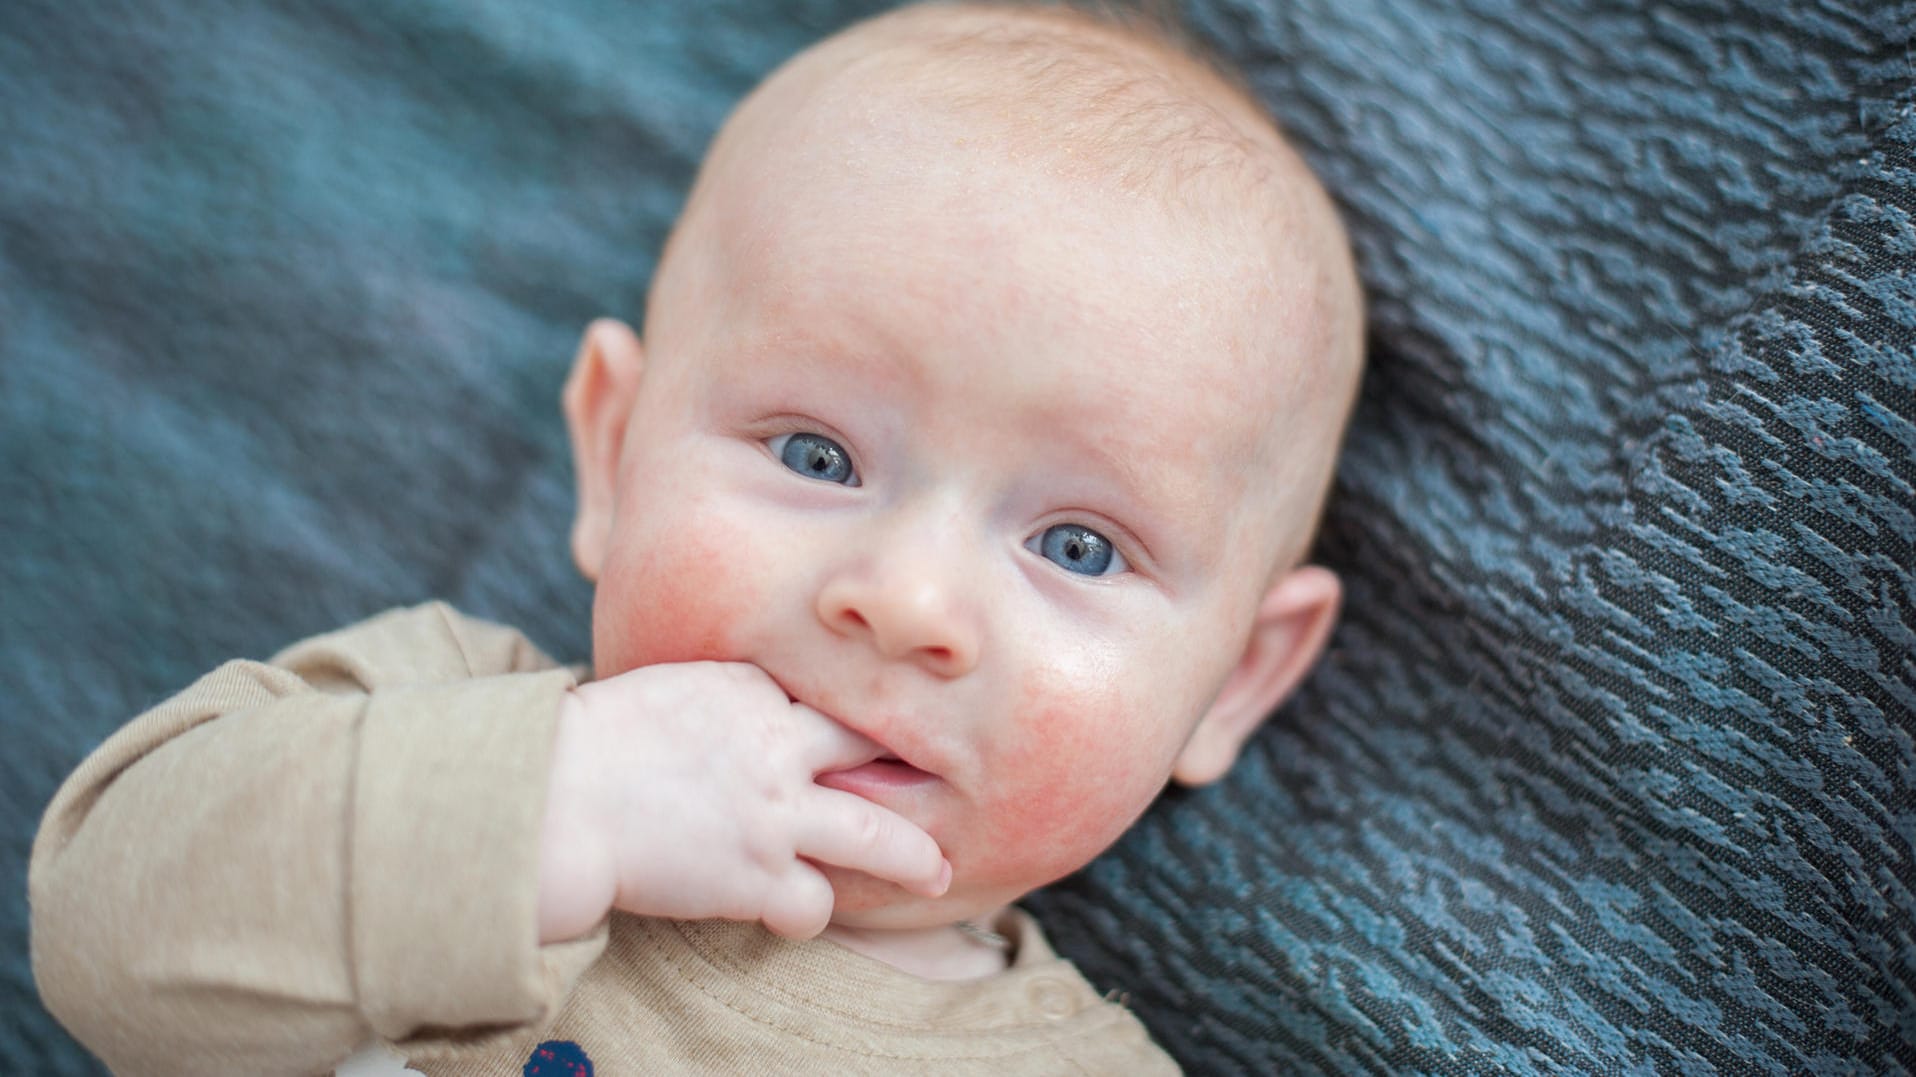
{"x":944,"y":880}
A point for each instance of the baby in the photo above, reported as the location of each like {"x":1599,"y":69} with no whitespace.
{"x":954,"y":502}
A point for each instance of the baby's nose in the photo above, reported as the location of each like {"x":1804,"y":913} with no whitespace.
{"x":907,"y":616}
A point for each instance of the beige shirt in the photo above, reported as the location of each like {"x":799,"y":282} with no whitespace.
{"x":290,"y":859}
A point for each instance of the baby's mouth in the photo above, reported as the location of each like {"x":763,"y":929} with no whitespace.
{"x":886,"y":772}
{"x":886,"y":769}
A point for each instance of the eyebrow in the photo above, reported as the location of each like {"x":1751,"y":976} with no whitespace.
{"x":1157,"y":506}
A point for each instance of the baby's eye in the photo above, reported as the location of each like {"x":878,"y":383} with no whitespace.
{"x":815,"y":457}
{"x":1079,"y":549}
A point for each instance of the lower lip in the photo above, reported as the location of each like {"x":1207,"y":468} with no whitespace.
{"x":877,"y":776}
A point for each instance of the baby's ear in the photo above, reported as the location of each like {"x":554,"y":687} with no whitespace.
{"x":1293,"y":622}
{"x":597,"y":401}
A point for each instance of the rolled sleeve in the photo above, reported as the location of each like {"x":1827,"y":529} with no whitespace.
{"x":451,"y":783}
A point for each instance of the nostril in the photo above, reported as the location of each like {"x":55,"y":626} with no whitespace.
{"x":854,"y":619}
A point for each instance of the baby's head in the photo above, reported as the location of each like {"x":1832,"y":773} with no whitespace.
{"x":991,"y":384}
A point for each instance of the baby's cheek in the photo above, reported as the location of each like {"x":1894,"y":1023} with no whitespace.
{"x":674,"y":601}
{"x":1075,"y":778}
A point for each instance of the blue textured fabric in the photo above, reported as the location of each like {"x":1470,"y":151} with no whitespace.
{"x":1612,"y":765}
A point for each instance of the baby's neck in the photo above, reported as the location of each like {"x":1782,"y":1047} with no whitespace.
{"x":934,"y":953}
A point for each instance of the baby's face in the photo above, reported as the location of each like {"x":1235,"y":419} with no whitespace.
{"x":964,"y":459}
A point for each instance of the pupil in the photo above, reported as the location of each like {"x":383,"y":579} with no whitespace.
{"x":1074,"y":549}
{"x":820,"y":461}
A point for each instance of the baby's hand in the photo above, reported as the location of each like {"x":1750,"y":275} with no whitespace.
{"x":686,"y":791}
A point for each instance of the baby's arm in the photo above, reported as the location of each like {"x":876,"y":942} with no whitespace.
{"x":357,"y":839}
{"x":686,"y":791}
{"x":287,"y":858}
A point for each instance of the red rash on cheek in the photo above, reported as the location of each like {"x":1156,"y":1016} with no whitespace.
{"x":1073,"y":779}
{"x":669,"y":602}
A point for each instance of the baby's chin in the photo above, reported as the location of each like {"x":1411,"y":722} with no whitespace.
{"x":864,"y":902}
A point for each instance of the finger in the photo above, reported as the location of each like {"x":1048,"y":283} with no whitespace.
{"x":832,"y":746}
{"x":851,"y":832}
{"x":799,"y":904}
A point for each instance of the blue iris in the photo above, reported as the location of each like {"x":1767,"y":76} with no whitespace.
{"x":1076,"y":549}
{"x":816,"y":457}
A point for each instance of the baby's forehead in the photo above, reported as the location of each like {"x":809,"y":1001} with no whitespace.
{"x":1091,"y":98}
{"x":1059,"y":98}
{"x":1024,"y":122}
